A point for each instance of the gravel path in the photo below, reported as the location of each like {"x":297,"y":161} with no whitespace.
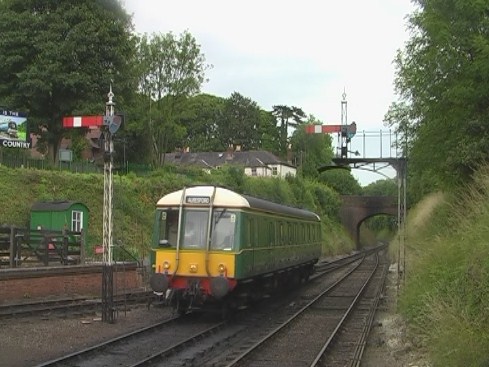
{"x":388,"y":344}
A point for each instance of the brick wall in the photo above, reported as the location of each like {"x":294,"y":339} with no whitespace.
{"x":85,"y":281}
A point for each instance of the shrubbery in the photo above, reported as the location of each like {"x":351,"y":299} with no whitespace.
{"x":135,"y":198}
{"x":447,"y":289}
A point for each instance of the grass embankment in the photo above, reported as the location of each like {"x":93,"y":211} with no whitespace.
{"x":446,"y":295}
{"x":135,"y":199}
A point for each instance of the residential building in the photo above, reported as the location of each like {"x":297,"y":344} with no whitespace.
{"x":254,"y":162}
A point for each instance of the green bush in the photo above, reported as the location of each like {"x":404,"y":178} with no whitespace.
{"x":135,"y":198}
{"x":447,"y":288}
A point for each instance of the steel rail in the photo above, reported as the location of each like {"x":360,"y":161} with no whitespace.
{"x":345,"y":316}
{"x":62,"y":361}
{"x":294,"y":316}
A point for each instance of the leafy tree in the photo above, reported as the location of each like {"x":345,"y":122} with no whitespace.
{"x":206,"y":118}
{"x":58,"y":58}
{"x":287,"y":117}
{"x":442,"y":78}
{"x":200,"y":116}
{"x":269,"y":138}
{"x":311,"y":151}
{"x":341,"y":180}
{"x":382,"y":188}
{"x":327,"y":200}
{"x":134,"y":138}
{"x":170,"y":69}
{"x":239,"y":123}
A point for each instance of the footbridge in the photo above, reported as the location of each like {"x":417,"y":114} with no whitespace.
{"x":355,"y":209}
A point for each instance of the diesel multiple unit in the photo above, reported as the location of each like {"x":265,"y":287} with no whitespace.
{"x":215,"y":247}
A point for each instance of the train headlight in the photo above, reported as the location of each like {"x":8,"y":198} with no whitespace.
{"x":166,"y":265}
{"x":221,"y":268}
{"x":193,"y":268}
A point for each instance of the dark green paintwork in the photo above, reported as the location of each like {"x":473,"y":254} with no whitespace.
{"x":260,"y":251}
{"x":57,"y":215}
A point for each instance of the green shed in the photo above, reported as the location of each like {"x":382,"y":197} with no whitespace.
{"x":59,"y":215}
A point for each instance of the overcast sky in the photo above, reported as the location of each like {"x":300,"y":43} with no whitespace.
{"x":302,"y":53}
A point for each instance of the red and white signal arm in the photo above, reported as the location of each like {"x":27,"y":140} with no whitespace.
{"x":113,"y":122}
{"x":83,"y":121}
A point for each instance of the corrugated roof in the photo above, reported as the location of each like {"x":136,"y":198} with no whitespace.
{"x":53,"y":206}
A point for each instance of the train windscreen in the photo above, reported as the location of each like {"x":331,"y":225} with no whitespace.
{"x":194,"y":231}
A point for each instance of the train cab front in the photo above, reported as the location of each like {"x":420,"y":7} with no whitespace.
{"x":190,"y":286}
{"x":193,"y":251}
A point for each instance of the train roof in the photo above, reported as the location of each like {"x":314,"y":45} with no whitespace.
{"x":196,"y":196}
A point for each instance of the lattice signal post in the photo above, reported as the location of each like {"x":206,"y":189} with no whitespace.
{"x":109,"y":124}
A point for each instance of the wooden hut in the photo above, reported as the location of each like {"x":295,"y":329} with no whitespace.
{"x":59,"y":215}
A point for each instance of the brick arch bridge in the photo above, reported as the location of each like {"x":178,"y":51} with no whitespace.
{"x":355,"y":209}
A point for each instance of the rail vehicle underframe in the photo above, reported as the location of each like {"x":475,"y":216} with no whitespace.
{"x":220,"y":293}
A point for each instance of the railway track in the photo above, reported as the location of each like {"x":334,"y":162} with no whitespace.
{"x":309,"y":337}
{"x":77,"y":305}
{"x":142,"y":346}
{"x":68,"y":306}
{"x":310,"y":326}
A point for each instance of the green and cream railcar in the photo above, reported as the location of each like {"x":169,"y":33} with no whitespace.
{"x":210,"y":242}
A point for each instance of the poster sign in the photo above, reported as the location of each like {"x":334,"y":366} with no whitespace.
{"x":13,"y":129}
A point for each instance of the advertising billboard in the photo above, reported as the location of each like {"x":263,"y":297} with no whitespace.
{"x":13,"y":129}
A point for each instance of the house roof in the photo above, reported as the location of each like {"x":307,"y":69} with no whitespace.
{"x":53,"y":206}
{"x":253,"y":158}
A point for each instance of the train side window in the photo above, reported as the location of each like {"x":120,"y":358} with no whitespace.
{"x":277,"y":233}
{"x":288,"y":234}
{"x":262,"y":235}
{"x":252,"y":232}
{"x":294,"y":237}
{"x":162,"y":230}
{"x":292,"y":234}
{"x":223,"y":230}
{"x":168,"y":228}
{"x":271,"y":233}
{"x":282,"y":234}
